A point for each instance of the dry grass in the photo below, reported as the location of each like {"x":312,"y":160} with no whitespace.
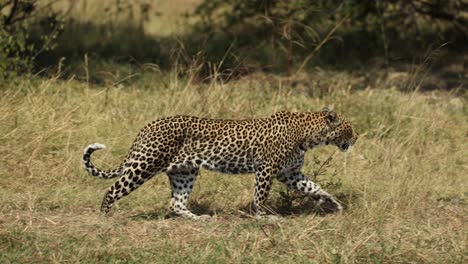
{"x":404,"y":184}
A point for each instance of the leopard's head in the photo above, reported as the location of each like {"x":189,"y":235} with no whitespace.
{"x":339,"y":131}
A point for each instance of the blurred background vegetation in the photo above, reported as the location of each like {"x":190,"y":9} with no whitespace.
{"x":206,"y":39}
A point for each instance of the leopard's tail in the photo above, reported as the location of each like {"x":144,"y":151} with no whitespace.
{"x":89,"y":166}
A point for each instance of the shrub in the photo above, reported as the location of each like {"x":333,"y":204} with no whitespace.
{"x":281,"y":34}
{"x":18,"y":44}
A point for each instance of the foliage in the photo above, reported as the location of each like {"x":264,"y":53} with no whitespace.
{"x":229,"y":38}
{"x":264,"y":31}
{"x":277,"y":33}
{"x":18,"y":45}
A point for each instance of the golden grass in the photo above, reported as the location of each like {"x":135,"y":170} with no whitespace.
{"x":404,"y":184}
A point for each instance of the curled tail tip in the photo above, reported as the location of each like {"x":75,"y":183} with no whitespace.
{"x":97,"y":146}
{"x":91,"y":148}
{"x":87,"y":153}
{"x":94,"y":146}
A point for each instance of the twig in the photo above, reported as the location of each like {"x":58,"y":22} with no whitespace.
{"x":322,"y":166}
{"x":359,"y":245}
{"x":272,"y":240}
{"x":324,"y":40}
{"x":12,"y":13}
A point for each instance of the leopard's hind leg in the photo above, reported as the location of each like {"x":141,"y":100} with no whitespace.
{"x":133,"y":176}
{"x":182,"y":179}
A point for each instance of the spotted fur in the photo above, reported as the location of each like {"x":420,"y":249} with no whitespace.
{"x":271,"y":147}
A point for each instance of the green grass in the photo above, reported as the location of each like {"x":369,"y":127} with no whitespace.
{"x":404,"y":184}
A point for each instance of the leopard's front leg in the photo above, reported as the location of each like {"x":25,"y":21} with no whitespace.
{"x":263,"y":180}
{"x":297,"y":181}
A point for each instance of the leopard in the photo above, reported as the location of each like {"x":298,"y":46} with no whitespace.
{"x":271,"y":148}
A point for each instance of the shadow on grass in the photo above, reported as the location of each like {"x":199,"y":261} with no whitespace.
{"x":195,"y":207}
{"x":294,"y":203}
{"x":122,"y":49}
{"x":149,"y":216}
{"x":289,"y":204}
{"x":87,"y":50}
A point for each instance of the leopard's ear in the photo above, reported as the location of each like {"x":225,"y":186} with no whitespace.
{"x":332,"y":119}
{"x":325,"y":109}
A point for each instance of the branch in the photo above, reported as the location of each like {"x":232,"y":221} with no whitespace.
{"x":324,"y":40}
{"x":3,"y":5}
{"x":12,"y":13}
{"x":458,"y":22}
{"x":432,"y":12}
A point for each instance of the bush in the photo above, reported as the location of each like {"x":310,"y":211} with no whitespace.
{"x":280,"y":35}
{"x":18,"y":46}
